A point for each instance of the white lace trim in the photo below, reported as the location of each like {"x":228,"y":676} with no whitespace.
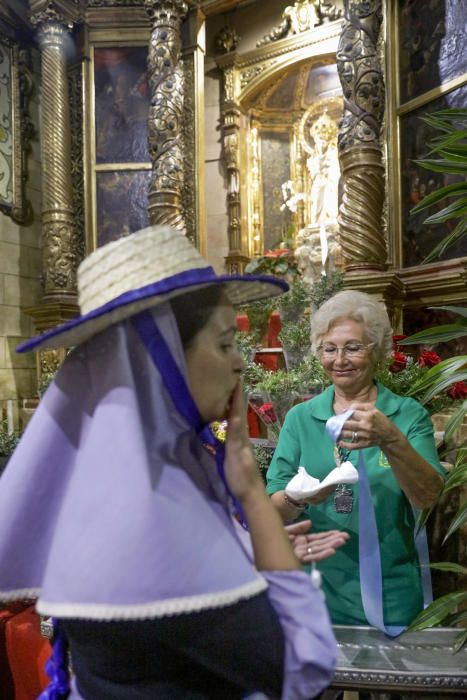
{"x":160,"y":608}
{"x":20,"y":594}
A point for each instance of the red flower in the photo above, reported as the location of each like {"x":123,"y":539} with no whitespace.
{"x":396,"y":339}
{"x":428,"y":358}
{"x":399,"y":362}
{"x":267,"y":413}
{"x":458,"y":390}
{"x":277,"y":253}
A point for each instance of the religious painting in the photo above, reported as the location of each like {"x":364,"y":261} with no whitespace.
{"x":122,"y":203}
{"x":121,"y":104}
{"x":275,"y":162}
{"x":416,"y":182}
{"x":432,"y":44}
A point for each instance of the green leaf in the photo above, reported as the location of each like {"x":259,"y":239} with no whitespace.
{"x":461,"y":310}
{"x":454,"y":422}
{"x":436,"y":612}
{"x":443,"y":166}
{"x":437,"y":334}
{"x":443,"y":383}
{"x":460,"y":641}
{"x":438,"y":195}
{"x":423,"y":517}
{"x":459,"y":519}
{"x":448,"y":241}
{"x":455,"y":618}
{"x":452,"y":211}
{"x":448,"y":566}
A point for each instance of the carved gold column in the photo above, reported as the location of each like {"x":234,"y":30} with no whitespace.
{"x":166,"y":111}
{"x":360,"y":214}
{"x":231,"y":115}
{"x":193,"y":187}
{"x":60,"y":240}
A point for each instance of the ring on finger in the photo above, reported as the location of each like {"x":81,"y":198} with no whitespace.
{"x":354,"y":437}
{"x":308,"y":549}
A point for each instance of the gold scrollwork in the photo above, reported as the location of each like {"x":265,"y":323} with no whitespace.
{"x":166,"y":112}
{"x":300,"y":17}
{"x":361,"y":211}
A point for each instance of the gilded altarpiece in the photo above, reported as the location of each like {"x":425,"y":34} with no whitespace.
{"x":274,"y":101}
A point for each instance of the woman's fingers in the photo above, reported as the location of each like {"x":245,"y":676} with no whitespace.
{"x":300,"y":528}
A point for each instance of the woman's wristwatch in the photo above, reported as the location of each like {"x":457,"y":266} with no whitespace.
{"x":297,"y":506}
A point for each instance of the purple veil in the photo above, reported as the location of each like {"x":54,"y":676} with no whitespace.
{"x":110,"y":507}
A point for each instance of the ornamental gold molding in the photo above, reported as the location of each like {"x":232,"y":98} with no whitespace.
{"x":360,"y":214}
{"x":61,"y":248}
{"x":300,"y":17}
{"x":165,"y":77}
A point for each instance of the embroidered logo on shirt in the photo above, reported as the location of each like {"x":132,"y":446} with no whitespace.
{"x":383,"y":461}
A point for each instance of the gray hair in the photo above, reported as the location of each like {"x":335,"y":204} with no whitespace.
{"x":358,"y":306}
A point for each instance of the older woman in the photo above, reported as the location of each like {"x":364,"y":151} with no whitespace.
{"x":351,"y":333}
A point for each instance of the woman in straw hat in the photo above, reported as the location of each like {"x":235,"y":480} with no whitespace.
{"x":118,"y":519}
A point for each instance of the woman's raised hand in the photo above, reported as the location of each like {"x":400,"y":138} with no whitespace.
{"x":240,"y":466}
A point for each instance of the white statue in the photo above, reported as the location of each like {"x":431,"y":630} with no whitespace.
{"x":317,"y":252}
{"x":324,"y":171}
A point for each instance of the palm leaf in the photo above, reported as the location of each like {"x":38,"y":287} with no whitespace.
{"x":459,"y":519}
{"x":437,"y":611}
{"x":460,"y":640}
{"x":443,"y":166}
{"x":438,"y":195}
{"x":460,"y":310}
{"x":454,"y":422}
{"x":437,"y":334}
{"x":448,"y":566}
{"x":448,"y":241}
{"x":452,"y":113}
{"x":453,"y":210}
{"x":443,"y":383}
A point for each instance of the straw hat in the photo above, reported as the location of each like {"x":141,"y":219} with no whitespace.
{"x":140,"y":271}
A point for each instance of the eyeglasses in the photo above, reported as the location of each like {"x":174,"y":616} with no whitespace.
{"x":349,"y":350}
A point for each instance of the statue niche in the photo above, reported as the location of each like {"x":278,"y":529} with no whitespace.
{"x":317,"y":247}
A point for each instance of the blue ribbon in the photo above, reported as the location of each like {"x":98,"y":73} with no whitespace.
{"x":179,"y":392}
{"x":371,"y":578}
{"x":57,"y":667}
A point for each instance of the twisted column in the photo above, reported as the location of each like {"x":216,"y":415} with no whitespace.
{"x":360,"y":213}
{"x":165,"y":79}
{"x":60,"y":239}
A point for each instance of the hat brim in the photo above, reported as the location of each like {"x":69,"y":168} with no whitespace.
{"x":241,"y":289}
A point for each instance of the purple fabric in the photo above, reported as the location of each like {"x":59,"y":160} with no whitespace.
{"x":110,"y":506}
{"x":310,"y":645}
{"x":190,"y":278}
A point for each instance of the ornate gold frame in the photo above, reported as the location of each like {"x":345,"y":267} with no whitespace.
{"x":17,"y":130}
{"x":243,"y":75}
{"x":443,"y":281}
{"x":100,"y":38}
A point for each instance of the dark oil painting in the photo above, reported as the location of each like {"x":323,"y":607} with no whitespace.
{"x":122,"y":203}
{"x":416,"y":182}
{"x":432,"y":37}
{"x":121,"y":104}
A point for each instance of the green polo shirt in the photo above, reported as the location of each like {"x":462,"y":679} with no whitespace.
{"x":303,"y":441}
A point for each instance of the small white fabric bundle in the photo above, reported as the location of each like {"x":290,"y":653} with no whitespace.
{"x":304,"y":486}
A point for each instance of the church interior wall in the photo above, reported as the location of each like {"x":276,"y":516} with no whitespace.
{"x":20,"y":279}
